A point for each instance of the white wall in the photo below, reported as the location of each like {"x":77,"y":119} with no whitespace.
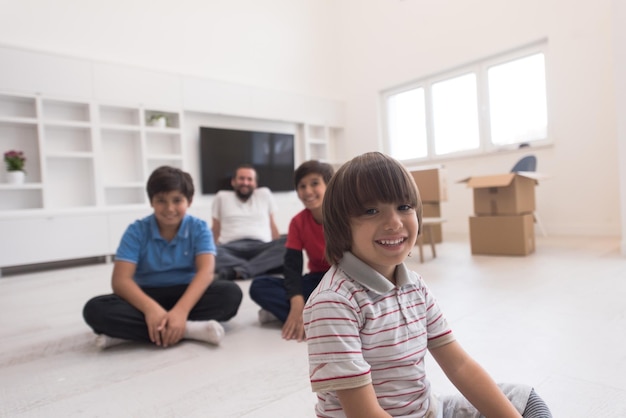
{"x":391,"y":42}
{"x":619,"y":47}
{"x":278,"y":44}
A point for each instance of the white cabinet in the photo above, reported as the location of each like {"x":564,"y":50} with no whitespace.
{"x":322,"y":143}
{"x":56,"y":237}
{"x":19,"y":131}
{"x":84,"y":154}
{"x":67,"y":146}
{"x":85,"y":160}
{"x":132,"y":147}
{"x":163,"y":144}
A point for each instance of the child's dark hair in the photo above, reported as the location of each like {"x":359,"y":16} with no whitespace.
{"x":313,"y":167}
{"x":368,"y":178}
{"x":166,"y":179}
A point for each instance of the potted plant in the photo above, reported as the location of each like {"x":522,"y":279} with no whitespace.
{"x":15,"y":166}
{"x":158,"y":120}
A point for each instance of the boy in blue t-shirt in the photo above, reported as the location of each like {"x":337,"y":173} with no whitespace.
{"x":163,"y":287}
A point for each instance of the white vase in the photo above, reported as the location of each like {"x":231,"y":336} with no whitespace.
{"x":160,"y":122}
{"x":15,"y":177}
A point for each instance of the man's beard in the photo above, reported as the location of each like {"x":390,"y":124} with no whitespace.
{"x":244,"y":196}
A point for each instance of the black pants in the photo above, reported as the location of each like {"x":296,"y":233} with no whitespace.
{"x":251,"y":258}
{"x":113,"y":316}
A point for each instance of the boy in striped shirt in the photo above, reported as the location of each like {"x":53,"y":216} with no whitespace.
{"x":370,"y":321}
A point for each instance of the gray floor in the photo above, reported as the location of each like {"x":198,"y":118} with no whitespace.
{"x":555,"y":319}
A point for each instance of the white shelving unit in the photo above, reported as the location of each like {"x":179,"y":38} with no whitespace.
{"x":67,"y":144}
{"x":321,"y":142}
{"x":81,"y":154}
{"x":163,"y":144}
{"x":19,"y":131}
{"x":87,"y":165}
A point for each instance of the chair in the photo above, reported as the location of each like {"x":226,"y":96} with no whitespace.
{"x":529,"y":163}
{"x":427,"y":224}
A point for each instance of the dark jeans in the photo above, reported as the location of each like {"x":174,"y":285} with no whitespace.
{"x":270,"y":293}
{"x":250,"y":257}
{"x":113,"y":316}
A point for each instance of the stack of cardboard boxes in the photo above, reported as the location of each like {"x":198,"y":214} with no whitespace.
{"x":503,"y":221}
{"x":431,"y":183}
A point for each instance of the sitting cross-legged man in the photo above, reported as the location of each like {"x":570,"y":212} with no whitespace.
{"x":246,"y":235}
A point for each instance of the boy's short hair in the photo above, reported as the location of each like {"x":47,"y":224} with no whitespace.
{"x":368,"y":178}
{"x":313,"y":167}
{"x":166,"y":179}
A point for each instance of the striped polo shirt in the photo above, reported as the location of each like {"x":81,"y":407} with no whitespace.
{"x":362,"y":329}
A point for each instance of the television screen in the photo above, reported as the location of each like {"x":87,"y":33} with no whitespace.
{"x":222,"y":150}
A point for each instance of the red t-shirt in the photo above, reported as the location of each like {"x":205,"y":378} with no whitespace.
{"x":306,"y":234}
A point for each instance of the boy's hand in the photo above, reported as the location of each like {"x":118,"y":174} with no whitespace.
{"x":156,"y":318}
{"x":293,"y":328}
{"x":173,"y":329}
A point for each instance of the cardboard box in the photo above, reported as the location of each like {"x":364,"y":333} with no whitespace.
{"x":502,"y":235}
{"x":431,"y":183}
{"x":504,"y":194}
{"x":432,"y":210}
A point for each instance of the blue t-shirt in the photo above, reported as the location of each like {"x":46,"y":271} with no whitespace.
{"x":161,"y":263}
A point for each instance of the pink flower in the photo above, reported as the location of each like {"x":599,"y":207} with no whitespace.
{"x":14,"y":160}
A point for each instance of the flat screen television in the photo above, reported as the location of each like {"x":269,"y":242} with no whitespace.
{"x":222,"y":150}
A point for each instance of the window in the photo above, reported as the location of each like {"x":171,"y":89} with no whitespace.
{"x":517,"y":101}
{"x":497,"y":102}
{"x":407,"y":124}
{"x":455,"y":115}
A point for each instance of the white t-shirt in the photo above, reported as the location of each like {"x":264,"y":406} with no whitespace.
{"x":244,"y":220}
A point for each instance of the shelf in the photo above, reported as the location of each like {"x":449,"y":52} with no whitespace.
{"x":122,"y":150}
{"x":18,"y":107}
{"x":316,"y":131}
{"x":66,"y":124}
{"x":58,"y":110}
{"x":120,"y":128}
{"x":125,"y":195}
{"x":69,"y":183}
{"x":116,"y":115}
{"x":69,"y":155}
{"x":128,"y":185}
{"x":23,"y":186}
{"x":16,"y":198}
{"x":83,"y":155}
{"x":22,"y":137}
{"x":163,"y":143}
{"x":60,"y":139}
{"x":172,"y":118}
{"x":86,"y":167}
{"x":164,"y":157}
{"x":9,"y":120}
{"x":154,"y":163}
{"x":318,"y":152}
{"x":321,"y":142}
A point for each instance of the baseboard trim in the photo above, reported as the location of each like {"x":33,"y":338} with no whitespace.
{"x":53,"y":265}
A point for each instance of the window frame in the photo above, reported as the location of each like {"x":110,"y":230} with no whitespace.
{"x":480,"y":69}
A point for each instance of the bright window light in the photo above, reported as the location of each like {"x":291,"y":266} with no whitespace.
{"x":517,"y":101}
{"x":489,"y":104}
{"x":455,"y":114}
{"x":406,"y":124}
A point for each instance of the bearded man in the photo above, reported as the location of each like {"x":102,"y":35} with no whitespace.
{"x":247,"y":238}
